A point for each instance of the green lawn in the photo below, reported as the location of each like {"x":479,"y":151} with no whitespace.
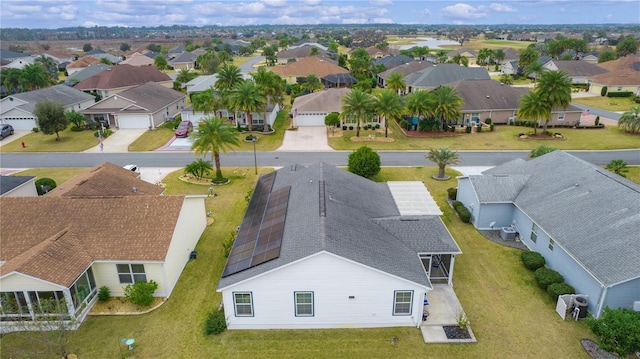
{"x":59,"y":175}
{"x":70,"y":141}
{"x":510,"y":316}
{"x":151,"y":140}
{"x":607,"y":103}
{"x":503,"y":138}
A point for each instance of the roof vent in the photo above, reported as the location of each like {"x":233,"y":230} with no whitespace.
{"x":487,"y":96}
{"x":134,"y":190}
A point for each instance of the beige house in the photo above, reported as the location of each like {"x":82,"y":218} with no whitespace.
{"x":121,"y":78}
{"x":316,"y":65}
{"x":61,"y":248}
{"x":623,"y":75}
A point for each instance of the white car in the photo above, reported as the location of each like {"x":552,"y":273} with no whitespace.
{"x":133,"y":168}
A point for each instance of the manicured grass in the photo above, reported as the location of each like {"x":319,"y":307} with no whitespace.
{"x":70,"y":141}
{"x":615,"y":104}
{"x":60,"y":175}
{"x":503,"y":138}
{"x":633,"y":174}
{"x":510,"y":316}
{"x":151,"y":140}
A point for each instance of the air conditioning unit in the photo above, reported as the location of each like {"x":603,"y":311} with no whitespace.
{"x":636,"y":306}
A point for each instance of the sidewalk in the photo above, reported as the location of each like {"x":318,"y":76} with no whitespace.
{"x":119,"y":141}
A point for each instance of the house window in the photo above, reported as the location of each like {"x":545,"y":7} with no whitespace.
{"x":304,"y":304}
{"x":243,"y":304}
{"x":534,"y":233}
{"x":561,"y":116}
{"x":551,"y":244}
{"x":402,"y":302}
{"x":130,"y":273}
{"x":619,"y":88}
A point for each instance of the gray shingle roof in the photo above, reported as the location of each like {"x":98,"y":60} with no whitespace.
{"x":488,"y":95}
{"x":434,"y":76}
{"x":498,"y":188}
{"x":9,"y":183}
{"x":590,"y":212}
{"x":59,"y":93}
{"x":362,"y":224}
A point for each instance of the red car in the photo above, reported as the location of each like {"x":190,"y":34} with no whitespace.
{"x":184,"y":128}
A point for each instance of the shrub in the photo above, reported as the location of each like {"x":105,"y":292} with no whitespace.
{"x":350,"y":128}
{"x":141,"y":293}
{"x":546,"y":276}
{"x":44,"y":185}
{"x":603,"y":91}
{"x":478,"y":129}
{"x":452,"y":193}
{"x":344,"y":128}
{"x":487,"y":121}
{"x":364,"y":162}
{"x":597,"y":121}
{"x":104,"y":293}
{"x":249,"y":138}
{"x":463,"y":212}
{"x":532,"y":260}
{"x":491,"y":127}
{"x":620,"y":94}
{"x":35,"y":129}
{"x":618,"y":330}
{"x":377,"y":126}
{"x":77,"y":129}
{"x":404,"y":124}
{"x":541,"y":150}
{"x":216,"y":323}
{"x":468,"y":129}
{"x":227,"y":245}
{"x":558,"y":289}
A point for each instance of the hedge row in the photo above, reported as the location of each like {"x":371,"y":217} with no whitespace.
{"x":548,"y":279}
{"x":620,"y":94}
{"x":452,"y":193}
{"x":463,"y":212}
{"x":532,"y":260}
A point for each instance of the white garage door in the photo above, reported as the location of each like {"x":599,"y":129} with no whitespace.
{"x":310,"y":119}
{"x":133,"y":121}
{"x":20,"y":123}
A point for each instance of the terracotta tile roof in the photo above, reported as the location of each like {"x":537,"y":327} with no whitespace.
{"x":627,"y":62}
{"x":56,"y":238}
{"x":83,"y":62}
{"x":138,"y":60}
{"x":318,"y":66}
{"x":122,"y":76}
{"x":622,"y":77}
{"x":106,"y":180}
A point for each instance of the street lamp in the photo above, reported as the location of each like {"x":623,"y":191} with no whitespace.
{"x":254,"y":139}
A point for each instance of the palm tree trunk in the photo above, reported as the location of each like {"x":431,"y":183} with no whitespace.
{"x":358,"y":127}
{"x":216,"y":156}
{"x":441,"y":171}
{"x":266,"y":123}
{"x":249,"y":121}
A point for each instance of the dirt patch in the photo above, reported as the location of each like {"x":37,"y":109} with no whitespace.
{"x":120,"y":305}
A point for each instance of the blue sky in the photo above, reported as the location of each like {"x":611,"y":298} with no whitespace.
{"x":135,"y":13}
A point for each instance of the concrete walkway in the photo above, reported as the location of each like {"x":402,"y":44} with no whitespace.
{"x":306,"y":139}
{"x":444,"y":309}
{"x":119,"y":141}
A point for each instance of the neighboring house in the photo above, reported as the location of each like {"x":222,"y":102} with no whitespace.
{"x":137,"y":59}
{"x":186,"y":60}
{"x":298,"y":53}
{"x":121,"y":78}
{"x":320,"y":247}
{"x":469,"y":54}
{"x":591,"y":58}
{"x":205,"y":82}
{"x":338,"y":80}
{"x":237,"y":117}
{"x":17,"y":109}
{"x":376,"y":53}
{"x":19,"y":63}
{"x":59,"y":57}
{"x":311,"y":109}
{"x":623,"y":75}
{"x":64,"y":248}
{"x":316,"y":65}
{"x":440,"y":74}
{"x":303,"y":42}
{"x":390,"y":62}
{"x":144,"y":106}
{"x":582,"y":218}
{"x":100,"y":54}
{"x":85,"y":73}
{"x":81,"y":64}
{"x":484,"y":99}
{"x":578,"y":71}
{"x":8,"y":56}
{"x":18,"y":186}
{"x":509,"y":67}
{"x":405,"y":69}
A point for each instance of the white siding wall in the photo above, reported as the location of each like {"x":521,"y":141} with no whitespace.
{"x":18,"y":282}
{"x":25,"y":190}
{"x":191,"y":223}
{"x":106,"y":274}
{"x":332,"y":280}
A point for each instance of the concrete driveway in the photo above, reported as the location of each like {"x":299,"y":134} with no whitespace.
{"x":119,"y":141}
{"x":306,"y":139}
{"x":16,"y":135}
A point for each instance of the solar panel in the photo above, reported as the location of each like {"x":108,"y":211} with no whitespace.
{"x":260,"y":235}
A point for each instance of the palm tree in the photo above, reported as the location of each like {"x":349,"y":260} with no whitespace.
{"x":420,"y":52}
{"x":229,"y":76}
{"x":248,"y":98}
{"x":535,"y":68}
{"x":34,"y":76}
{"x":224,"y":57}
{"x":618,"y":167}
{"x":311,"y":83}
{"x":534,"y":106}
{"x":482,"y":56}
{"x":490,"y":57}
{"x":556,"y":88}
{"x":527,"y":57}
{"x":447,"y":103}
{"x":206,"y":101}
{"x":359,"y":105}
{"x":49,"y":64}
{"x":213,"y":136}
{"x":389,"y":106}
{"x":419,"y":104}
{"x":273,"y":87}
{"x":185,"y":75}
{"x":396,"y":82}
{"x":442,"y":157}
{"x":499,"y":55}
{"x":460,"y":60}
{"x":630,"y":120}
{"x":11,"y":80}
{"x":506,"y":79}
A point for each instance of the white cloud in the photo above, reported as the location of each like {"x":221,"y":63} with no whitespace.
{"x":463,"y":12}
{"x":425,"y":12}
{"x":381,"y":2}
{"x":502,"y":8}
{"x":275,"y":3}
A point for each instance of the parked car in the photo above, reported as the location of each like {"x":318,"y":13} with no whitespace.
{"x":184,"y":128}
{"x":6,"y":130}
{"x":133,"y":168}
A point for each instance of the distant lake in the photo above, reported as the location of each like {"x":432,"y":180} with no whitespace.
{"x":426,"y":41}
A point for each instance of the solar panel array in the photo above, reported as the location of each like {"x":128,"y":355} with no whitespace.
{"x":260,"y":234}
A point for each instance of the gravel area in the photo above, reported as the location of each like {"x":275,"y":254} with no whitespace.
{"x":594,"y":350}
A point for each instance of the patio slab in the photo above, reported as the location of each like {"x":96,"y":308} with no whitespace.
{"x":444,"y":308}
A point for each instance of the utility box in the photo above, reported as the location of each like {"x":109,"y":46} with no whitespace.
{"x":508,"y":233}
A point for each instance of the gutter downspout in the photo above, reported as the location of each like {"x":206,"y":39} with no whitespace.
{"x":603,"y":296}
